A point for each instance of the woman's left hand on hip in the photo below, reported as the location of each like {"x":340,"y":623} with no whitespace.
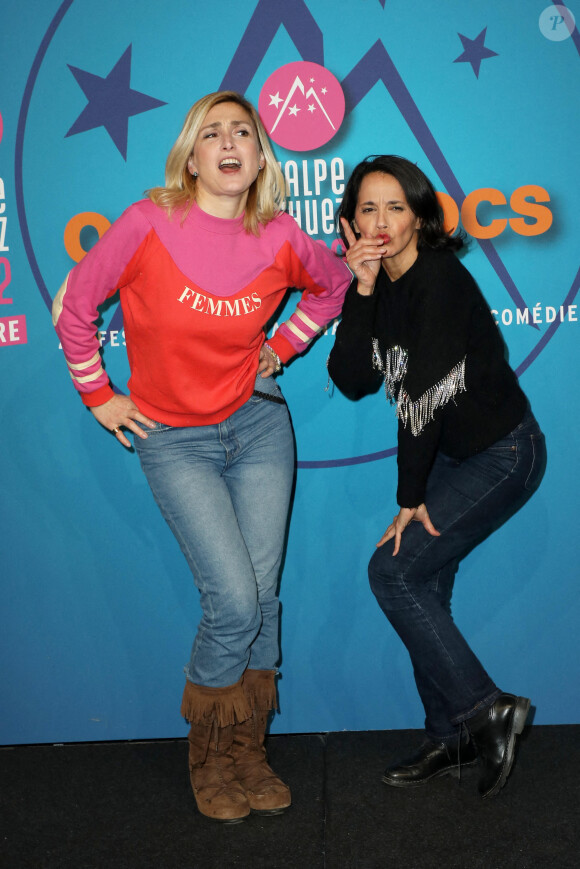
{"x":268,"y":364}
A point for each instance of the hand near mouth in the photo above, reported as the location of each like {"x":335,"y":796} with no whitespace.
{"x":364,"y":258}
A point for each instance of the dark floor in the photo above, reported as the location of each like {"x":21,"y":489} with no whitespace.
{"x":120,"y":805}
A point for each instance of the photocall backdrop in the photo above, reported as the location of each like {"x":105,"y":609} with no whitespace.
{"x":98,"y":607}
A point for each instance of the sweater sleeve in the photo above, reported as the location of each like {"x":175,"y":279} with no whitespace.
{"x":106,"y":267}
{"x":324,"y":279}
{"x":442,"y":303}
{"x":350,"y":363}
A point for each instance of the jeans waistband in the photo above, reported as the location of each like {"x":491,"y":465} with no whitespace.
{"x":527,"y":426}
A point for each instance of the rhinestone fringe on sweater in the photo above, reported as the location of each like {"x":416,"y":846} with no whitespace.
{"x":417,"y":413}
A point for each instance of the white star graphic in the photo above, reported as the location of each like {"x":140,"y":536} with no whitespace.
{"x":312,"y":80}
{"x":324,"y":91}
{"x":311,"y":107}
{"x":275,"y":99}
{"x":294,"y":110}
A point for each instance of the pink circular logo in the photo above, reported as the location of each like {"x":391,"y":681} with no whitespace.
{"x":302,"y":106}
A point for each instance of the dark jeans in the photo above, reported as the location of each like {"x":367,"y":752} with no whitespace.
{"x":466,"y":500}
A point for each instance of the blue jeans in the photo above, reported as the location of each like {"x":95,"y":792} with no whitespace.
{"x":224,"y":491}
{"x":466,"y":501}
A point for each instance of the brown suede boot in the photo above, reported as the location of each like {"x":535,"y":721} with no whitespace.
{"x":266,"y":793}
{"x":211,"y":713}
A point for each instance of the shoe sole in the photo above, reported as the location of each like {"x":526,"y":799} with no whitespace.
{"x":519,"y":719}
{"x":452,"y":771}
{"x":216,"y":819}
{"x":266,"y":812}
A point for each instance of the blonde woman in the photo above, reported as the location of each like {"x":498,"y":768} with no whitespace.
{"x":202,"y":264}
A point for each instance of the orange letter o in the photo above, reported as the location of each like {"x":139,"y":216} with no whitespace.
{"x":450,"y":212}
{"x":72,"y":232}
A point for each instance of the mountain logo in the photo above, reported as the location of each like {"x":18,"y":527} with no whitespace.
{"x":302,"y":106}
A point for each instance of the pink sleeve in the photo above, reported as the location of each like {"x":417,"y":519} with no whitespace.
{"x":325,"y":278}
{"x":75,"y":308}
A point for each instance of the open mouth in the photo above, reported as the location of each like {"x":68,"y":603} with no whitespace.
{"x":230,"y":163}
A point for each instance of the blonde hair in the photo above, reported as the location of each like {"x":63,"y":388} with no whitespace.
{"x":266,"y":194}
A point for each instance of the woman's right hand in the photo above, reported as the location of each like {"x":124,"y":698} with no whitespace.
{"x":119,"y":411}
{"x":400,"y":522}
{"x":364,"y":258}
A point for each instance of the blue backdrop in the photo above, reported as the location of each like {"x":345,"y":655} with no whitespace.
{"x":98,"y":607}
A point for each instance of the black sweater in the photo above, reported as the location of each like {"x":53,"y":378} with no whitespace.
{"x":431,"y":338}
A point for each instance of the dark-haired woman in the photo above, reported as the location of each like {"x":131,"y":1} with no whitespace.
{"x":470,"y":452}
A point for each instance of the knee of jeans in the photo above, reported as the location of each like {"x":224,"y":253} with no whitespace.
{"x":388,"y":584}
{"x":238,"y":613}
{"x":248,"y":616}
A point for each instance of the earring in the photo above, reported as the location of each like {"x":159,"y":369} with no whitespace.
{"x":195,"y":174}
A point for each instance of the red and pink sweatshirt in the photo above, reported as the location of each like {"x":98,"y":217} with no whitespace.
{"x":196,"y":296}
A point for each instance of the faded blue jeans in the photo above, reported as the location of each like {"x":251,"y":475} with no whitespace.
{"x":224,"y":491}
{"x":466,"y":501}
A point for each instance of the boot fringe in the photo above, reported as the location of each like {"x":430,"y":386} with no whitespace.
{"x":201,"y":704}
{"x":260,"y":689}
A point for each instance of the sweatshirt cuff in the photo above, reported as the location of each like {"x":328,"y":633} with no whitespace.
{"x":99,"y":396}
{"x":282,"y":347}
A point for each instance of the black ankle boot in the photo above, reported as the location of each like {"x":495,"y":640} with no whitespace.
{"x":494,"y":732}
{"x":432,"y":759}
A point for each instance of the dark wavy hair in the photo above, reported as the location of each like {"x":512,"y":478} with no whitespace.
{"x":420,"y":195}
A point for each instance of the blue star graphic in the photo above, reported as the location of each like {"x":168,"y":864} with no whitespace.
{"x":474,"y":51}
{"x":111,"y":102}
